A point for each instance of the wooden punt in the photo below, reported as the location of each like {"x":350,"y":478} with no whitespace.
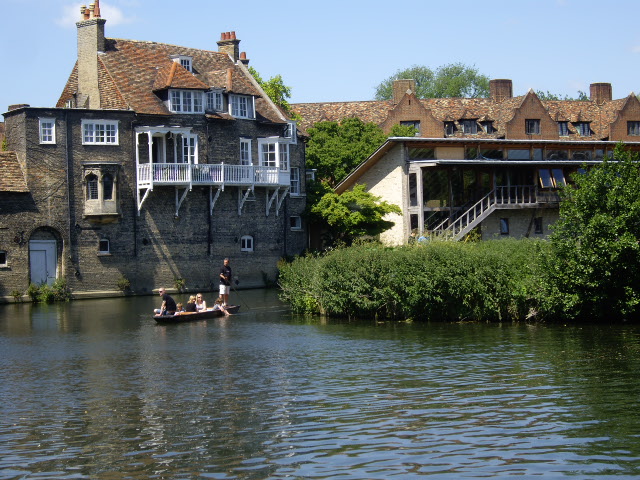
{"x":193,"y":316}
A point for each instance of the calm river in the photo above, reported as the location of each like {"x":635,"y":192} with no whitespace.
{"x":96,"y":389}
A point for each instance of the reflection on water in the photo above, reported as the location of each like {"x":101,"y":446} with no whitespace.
{"x":95,"y":389}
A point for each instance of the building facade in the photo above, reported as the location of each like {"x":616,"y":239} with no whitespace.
{"x":493,"y":165}
{"x":157,"y":162}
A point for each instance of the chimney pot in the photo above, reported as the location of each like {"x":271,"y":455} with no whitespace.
{"x":600,"y":93}
{"x":500,"y":89}
{"x":243,"y":55}
{"x":233,"y":35}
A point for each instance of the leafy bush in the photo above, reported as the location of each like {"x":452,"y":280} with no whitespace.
{"x":124,"y":285}
{"x":495,"y":280}
{"x":17,"y":295}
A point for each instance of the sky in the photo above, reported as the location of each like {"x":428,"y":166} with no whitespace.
{"x":340,"y":50}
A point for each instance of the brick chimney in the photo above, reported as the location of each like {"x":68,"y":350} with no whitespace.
{"x":500,"y":89}
{"x":243,"y":58}
{"x":230,"y":45}
{"x":600,"y":93}
{"x":401,"y":87}
{"x":90,"y":42}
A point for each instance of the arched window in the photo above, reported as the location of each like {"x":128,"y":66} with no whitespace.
{"x":246,"y":243}
{"x":107,"y":187}
{"x":92,"y":187}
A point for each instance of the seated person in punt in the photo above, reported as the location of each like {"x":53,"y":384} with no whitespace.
{"x":201,"y":305}
{"x":219,"y":305}
{"x":191,"y":305}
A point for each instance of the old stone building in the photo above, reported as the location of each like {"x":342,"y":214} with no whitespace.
{"x":490,"y":164}
{"x":156,"y":163}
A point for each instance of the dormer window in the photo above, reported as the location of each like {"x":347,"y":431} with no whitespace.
{"x":469,"y":127}
{"x":241,"y":106}
{"x":583,"y":128}
{"x":185,"y":61}
{"x":449,"y":128}
{"x":487,"y":126}
{"x":290,"y":131}
{"x":215,"y":101}
{"x":185,"y":101}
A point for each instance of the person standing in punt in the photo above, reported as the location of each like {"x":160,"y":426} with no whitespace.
{"x":225,"y":282}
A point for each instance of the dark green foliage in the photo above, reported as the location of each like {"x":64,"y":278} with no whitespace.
{"x":494,"y":281}
{"x":335,"y":149}
{"x":354,"y":213}
{"x":57,"y":292}
{"x":277,"y":91}
{"x":595,"y":272}
{"x":448,"y":81}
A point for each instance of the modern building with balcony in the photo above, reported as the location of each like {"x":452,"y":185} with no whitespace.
{"x":493,"y":165}
{"x":157,"y":162}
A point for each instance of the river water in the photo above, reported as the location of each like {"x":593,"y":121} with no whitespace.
{"x":96,"y":389}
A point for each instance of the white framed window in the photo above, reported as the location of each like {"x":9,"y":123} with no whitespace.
{"x":99,"y":132}
{"x":283,"y":150}
{"x":241,"y":106}
{"x":295,"y":221}
{"x":291,"y":131}
{"x":47,"y":130}
{"x":246,"y":243}
{"x":214,"y":100}
{"x":185,"y":101}
{"x":295,"y":181}
{"x":3,"y":259}
{"x":189,"y":148}
{"x":268,"y":153}
{"x":310,"y":174}
{"x":274,"y":152}
{"x":245,"y":151}
{"x":185,"y":60}
{"x":103,"y":246}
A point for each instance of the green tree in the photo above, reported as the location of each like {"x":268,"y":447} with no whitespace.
{"x":552,"y":96}
{"x":595,"y":265}
{"x":354,"y":213}
{"x":334,"y":149}
{"x":277,"y":91}
{"x":447,"y":81}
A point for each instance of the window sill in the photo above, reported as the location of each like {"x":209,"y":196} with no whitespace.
{"x":104,"y":254}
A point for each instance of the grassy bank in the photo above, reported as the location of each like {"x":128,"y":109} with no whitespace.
{"x":499,"y":280}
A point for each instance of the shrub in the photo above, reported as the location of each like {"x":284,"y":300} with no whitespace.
{"x":495,"y":280}
{"x":124,"y":285}
{"x":17,"y":295}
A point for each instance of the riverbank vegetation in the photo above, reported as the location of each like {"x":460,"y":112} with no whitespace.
{"x":589,"y":268}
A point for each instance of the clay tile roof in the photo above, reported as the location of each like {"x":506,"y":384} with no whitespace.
{"x":176,"y":76}
{"x":132,"y":73}
{"x":367,"y":111}
{"x":12,"y":178}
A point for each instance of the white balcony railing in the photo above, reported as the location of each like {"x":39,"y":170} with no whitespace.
{"x":210,"y":174}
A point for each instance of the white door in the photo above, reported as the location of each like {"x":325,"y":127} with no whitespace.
{"x":43,"y":261}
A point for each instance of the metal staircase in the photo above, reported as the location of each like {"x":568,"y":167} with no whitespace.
{"x":499,"y":198}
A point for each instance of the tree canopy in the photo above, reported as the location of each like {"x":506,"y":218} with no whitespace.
{"x":277,"y":91}
{"x":451,"y":80}
{"x":595,"y":267}
{"x":336,"y":148}
{"x":552,"y":96}
{"x":354,"y":213}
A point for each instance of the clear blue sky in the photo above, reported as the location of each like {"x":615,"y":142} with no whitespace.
{"x":340,"y":50}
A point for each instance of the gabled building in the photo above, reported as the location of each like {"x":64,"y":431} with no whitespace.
{"x":156,"y":163}
{"x":493,"y":165}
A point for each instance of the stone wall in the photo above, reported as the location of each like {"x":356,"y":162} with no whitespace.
{"x":154,"y":247}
